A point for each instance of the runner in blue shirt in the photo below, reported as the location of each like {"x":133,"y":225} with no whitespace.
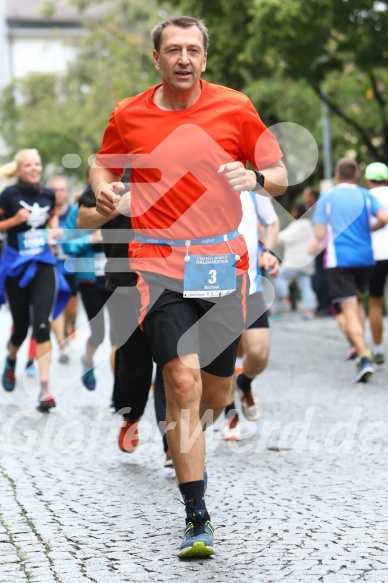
{"x":343,"y":214}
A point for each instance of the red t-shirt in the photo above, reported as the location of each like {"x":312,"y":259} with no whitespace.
{"x":174,"y":157}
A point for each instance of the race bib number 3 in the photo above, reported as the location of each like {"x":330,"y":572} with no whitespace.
{"x":209,"y":276}
{"x":32,"y":242}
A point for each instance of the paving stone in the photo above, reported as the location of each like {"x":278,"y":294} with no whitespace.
{"x":305,"y":514}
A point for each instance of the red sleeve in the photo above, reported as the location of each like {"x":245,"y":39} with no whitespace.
{"x":112,"y":154}
{"x":259,"y":144}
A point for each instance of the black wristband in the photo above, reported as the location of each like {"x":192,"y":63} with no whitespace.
{"x":265,"y":250}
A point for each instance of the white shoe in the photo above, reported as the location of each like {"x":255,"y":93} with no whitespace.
{"x":249,"y":405}
{"x":230,"y":430}
{"x":168,"y":461}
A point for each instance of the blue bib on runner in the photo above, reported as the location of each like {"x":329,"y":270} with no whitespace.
{"x":209,"y":276}
{"x":32,"y":242}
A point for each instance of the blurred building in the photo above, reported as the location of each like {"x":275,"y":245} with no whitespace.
{"x":31,"y":41}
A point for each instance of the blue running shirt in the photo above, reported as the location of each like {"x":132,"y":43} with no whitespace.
{"x":346,"y":210}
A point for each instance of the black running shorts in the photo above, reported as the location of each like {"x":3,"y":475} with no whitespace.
{"x":346,"y":282}
{"x":175,"y":325}
{"x":377,"y":281}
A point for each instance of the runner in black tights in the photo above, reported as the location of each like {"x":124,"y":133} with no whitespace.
{"x":28,"y":272}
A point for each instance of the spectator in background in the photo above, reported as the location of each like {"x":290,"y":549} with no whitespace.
{"x":376,"y":176}
{"x":297,"y":265}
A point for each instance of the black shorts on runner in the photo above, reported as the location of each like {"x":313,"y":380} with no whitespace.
{"x":257,"y":312}
{"x":175,"y":325}
{"x":346,"y":282}
{"x":377,"y":281}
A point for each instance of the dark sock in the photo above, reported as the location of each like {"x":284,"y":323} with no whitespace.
{"x":44,"y":386}
{"x":11,"y":362}
{"x":244,"y":383}
{"x":230,"y":410}
{"x":193,"y":494}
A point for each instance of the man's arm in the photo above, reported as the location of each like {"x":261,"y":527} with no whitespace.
{"x":275,"y":176}
{"x":239,"y":178}
{"x":90,"y":218}
{"x":316,"y":245}
{"x":382,"y":220}
{"x":270,"y":235}
{"x":106,"y":185}
{"x":269,"y":261}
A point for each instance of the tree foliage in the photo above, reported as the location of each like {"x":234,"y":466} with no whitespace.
{"x":336,"y":48}
{"x":287,"y":55}
{"x":67,"y":114}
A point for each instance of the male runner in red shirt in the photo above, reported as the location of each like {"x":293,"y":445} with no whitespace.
{"x":187,"y":142}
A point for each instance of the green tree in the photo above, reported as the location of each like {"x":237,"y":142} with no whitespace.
{"x":337,"y":48}
{"x":67,"y":114}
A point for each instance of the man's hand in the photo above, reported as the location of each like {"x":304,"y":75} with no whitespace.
{"x":270,"y":263}
{"x":124,"y":206}
{"x":107,"y":197}
{"x":238,"y":177}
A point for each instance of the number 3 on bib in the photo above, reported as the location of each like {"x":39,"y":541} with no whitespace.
{"x":213,"y":276}
{"x":202,"y":282}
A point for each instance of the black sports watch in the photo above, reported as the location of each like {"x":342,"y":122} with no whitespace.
{"x":259,"y":180}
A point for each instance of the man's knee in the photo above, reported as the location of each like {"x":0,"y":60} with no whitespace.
{"x":257,"y":355}
{"x":183,"y":386}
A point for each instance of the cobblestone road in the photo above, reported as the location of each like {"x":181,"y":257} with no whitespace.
{"x":302,"y":498}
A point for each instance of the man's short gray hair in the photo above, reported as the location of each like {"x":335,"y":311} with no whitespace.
{"x":180,"y":22}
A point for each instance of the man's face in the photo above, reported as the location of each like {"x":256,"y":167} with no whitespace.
{"x":182,"y":57}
